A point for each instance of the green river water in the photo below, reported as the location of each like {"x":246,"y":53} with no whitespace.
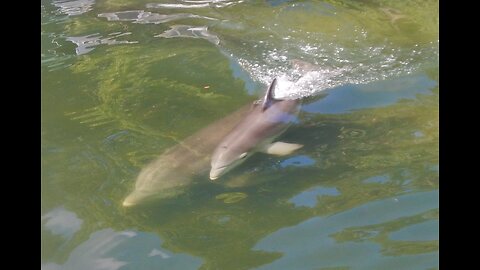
{"x":124,"y":80}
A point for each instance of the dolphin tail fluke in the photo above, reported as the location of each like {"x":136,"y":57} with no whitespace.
{"x":282,"y":148}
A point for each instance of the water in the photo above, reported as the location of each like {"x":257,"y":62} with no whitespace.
{"x":124,"y":80}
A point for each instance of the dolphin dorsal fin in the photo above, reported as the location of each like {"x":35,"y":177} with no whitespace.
{"x":268,"y":99}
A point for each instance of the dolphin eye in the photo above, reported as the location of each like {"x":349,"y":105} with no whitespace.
{"x":243,"y":155}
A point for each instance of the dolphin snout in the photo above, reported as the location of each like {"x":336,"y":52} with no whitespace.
{"x":215,"y":173}
{"x":133,"y":199}
{"x":127,"y":203}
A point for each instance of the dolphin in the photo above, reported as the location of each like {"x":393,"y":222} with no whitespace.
{"x":268,"y":119}
{"x":176,"y":168}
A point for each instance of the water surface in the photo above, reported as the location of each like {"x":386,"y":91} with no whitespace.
{"x":124,"y":80}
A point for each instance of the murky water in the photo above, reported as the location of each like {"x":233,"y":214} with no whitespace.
{"x":124,"y":80}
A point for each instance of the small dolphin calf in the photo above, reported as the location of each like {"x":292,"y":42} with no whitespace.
{"x":256,"y":132}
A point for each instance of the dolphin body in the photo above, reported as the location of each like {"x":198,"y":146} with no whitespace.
{"x":256,"y":132}
{"x":169,"y":174}
{"x":256,"y":126}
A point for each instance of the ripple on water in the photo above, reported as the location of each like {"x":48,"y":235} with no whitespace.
{"x":298,"y":161}
{"x":347,"y":133}
{"x":380,"y":179}
{"x":231,"y":197}
{"x":86,"y":44}
{"x":188,"y":31}
{"x":216,"y":218}
{"x":74,"y":7}
{"x":145,"y":17}
{"x":194,"y":4}
{"x":109,"y":249}
{"x":309,"y":198}
{"x":60,"y":221}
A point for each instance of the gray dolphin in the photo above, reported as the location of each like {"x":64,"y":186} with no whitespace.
{"x":175,"y":169}
{"x":256,"y":132}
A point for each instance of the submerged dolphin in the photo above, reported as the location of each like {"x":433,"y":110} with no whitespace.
{"x":256,"y":132}
{"x":176,"y":168}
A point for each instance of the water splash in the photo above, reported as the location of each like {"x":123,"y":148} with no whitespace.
{"x":346,"y":46}
{"x":335,"y":65}
{"x":358,"y":46}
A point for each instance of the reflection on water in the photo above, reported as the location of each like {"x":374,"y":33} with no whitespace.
{"x":62,"y":222}
{"x":382,"y":93}
{"x":426,"y":231}
{"x":190,"y":32}
{"x":232,"y":197}
{"x":195,"y":4}
{"x":74,"y":7}
{"x":309,"y":196}
{"x":107,"y":249}
{"x":361,"y":194}
{"x":298,"y":161}
{"x":377,"y":179}
{"x":323,"y":241}
{"x":87,"y":43}
{"x":140,"y":16}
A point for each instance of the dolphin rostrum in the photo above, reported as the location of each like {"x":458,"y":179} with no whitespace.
{"x":256,"y":132}
{"x":176,"y":168}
